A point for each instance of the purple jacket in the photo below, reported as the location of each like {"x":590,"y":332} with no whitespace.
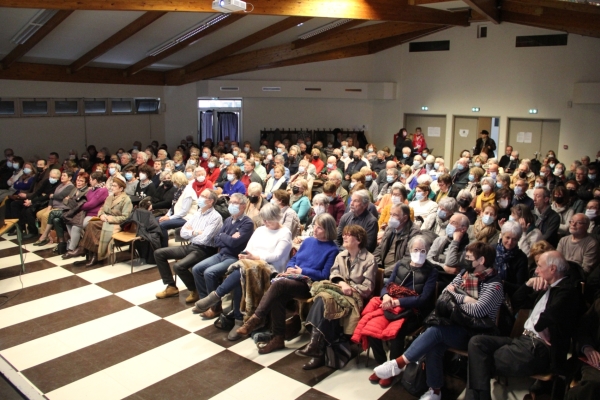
{"x":95,"y":201}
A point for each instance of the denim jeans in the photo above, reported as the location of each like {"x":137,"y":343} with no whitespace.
{"x":433,"y":343}
{"x":233,"y":284}
{"x":169,"y":224}
{"x":208,"y":272}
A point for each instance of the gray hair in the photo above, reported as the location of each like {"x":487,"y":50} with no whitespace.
{"x":144,"y":155}
{"x":213,"y":196}
{"x":327,"y":222}
{"x":558,"y":260}
{"x":583,"y":169}
{"x":512,"y":227}
{"x":364,"y":195}
{"x":199,"y":169}
{"x":393,"y":171}
{"x":489,"y":181}
{"x":465,"y":194}
{"x":170,"y":164}
{"x":53,"y":174}
{"x":240,"y":197}
{"x":115,"y":165}
{"x":449,"y":204}
{"x":335,"y":174}
{"x":424,"y":179}
{"x":164,"y":174}
{"x":126,"y":155}
{"x":254,"y":187}
{"x":421,"y":239}
{"x":464,"y":220}
{"x":398,"y":185}
{"x":321,"y":199}
{"x":270,"y":212}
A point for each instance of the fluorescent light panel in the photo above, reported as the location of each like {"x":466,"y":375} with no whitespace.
{"x":187,"y":34}
{"x":35,"y":23}
{"x":324,"y":28}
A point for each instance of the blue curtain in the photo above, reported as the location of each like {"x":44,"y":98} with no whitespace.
{"x":206,"y":125}
{"x":228,"y":125}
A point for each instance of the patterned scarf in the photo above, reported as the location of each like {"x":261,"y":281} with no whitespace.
{"x":470,"y":281}
{"x":504,"y":259}
{"x":176,"y":197}
{"x":99,"y":185}
{"x":398,"y":291}
{"x":483,"y":233}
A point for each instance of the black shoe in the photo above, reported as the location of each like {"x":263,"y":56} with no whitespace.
{"x":314,"y":363}
{"x":62,"y":248}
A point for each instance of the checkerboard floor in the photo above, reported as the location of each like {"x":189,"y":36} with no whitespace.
{"x":99,"y":333}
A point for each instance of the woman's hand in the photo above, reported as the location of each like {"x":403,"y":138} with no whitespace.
{"x":346,"y":289}
{"x":104,"y":218}
{"x":387,"y":302}
{"x":294,"y":270}
{"x":592,"y":355}
{"x":163,"y":218}
{"x":501,"y":222}
{"x":451,"y":288}
{"x":297,"y":240}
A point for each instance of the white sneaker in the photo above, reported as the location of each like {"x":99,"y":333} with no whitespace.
{"x":430,"y":395}
{"x":387,"y":370}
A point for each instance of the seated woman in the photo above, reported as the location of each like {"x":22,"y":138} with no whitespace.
{"x":437,"y":222}
{"x":536,"y":251}
{"x":213,"y":172}
{"x":98,"y":234}
{"x":408,"y":296}
{"x":423,"y":206}
{"x":233,"y":184}
{"x":523,"y":215}
{"x":484,"y":229}
{"x":511,"y":262}
{"x":129,"y":173}
{"x":275,"y":183}
{"x":503,"y":181}
{"x":95,"y":198}
{"x":56,"y":203}
{"x":300,"y":199}
{"x":270,"y":243}
{"x":474,"y":185}
{"x":320,"y":206}
{"x":483,"y":298}
{"x":163,"y":197}
{"x":370,"y":183}
{"x":336,"y":206}
{"x":145,"y":187}
{"x":23,"y":186}
{"x":255,"y":201}
{"x":303,"y":173}
{"x":26,"y":209}
{"x":183,"y":206}
{"x":189,"y":172}
{"x":113,"y":168}
{"x":504,"y":199}
{"x":487,"y":195}
{"x":289,"y":218}
{"x":397,"y":196}
{"x":560,"y":201}
{"x":464,"y":200}
{"x":354,"y":273}
{"x":310,"y":264}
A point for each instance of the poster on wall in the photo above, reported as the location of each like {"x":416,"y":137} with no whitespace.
{"x":520,"y":137}
{"x":463,"y":132}
{"x":527,"y":137}
{"x":433,"y":131}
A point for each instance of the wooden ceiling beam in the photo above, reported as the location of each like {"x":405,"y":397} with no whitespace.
{"x":532,"y":20}
{"x":553,"y":18}
{"x":489,"y":8}
{"x":146,"y":62}
{"x":243,"y":43}
{"x":563,"y":5}
{"x":58,"y":73}
{"x":253,"y":59}
{"x":24,"y":48}
{"x":327,"y":34}
{"x":119,"y":37}
{"x":379,"y":10}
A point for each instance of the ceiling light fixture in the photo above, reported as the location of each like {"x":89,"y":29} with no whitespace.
{"x":324,"y":28}
{"x":35,"y":23}
{"x":228,"y":6}
{"x":186,"y":35}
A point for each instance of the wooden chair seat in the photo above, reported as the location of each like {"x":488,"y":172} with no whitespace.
{"x":128,"y":236}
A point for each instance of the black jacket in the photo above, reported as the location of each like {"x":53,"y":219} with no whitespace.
{"x":39,"y":199}
{"x":163,"y":198}
{"x":490,"y":144}
{"x":409,"y":231}
{"x":460,"y":179}
{"x":400,"y":144}
{"x":147,"y":227}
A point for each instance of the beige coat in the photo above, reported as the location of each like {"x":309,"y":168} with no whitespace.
{"x":361,"y":277}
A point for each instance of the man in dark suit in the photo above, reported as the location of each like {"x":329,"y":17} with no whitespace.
{"x":250,"y":175}
{"x":485,"y":142}
{"x":505,"y":159}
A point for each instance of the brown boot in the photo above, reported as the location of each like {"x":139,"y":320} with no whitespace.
{"x":251,"y":325}
{"x":83,"y":262}
{"x":276,"y":343}
{"x":314,"y":348}
{"x":212,"y":312}
{"x":78,"y":252}
{"x":93,"y":260}
{"x":314,"y":363}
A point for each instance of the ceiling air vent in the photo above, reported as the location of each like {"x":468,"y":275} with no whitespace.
{"x":312,"y":89}
{"x":271,"y":89}
{"x":542,"y":40}
{"x":229,"y":89}
{"x":439,"y":45}
{"x":353,"y":90}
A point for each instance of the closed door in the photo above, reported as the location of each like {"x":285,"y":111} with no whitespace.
{"x":464,"y":137}
{"x":433,"y":128}
{"x":531,"y":136}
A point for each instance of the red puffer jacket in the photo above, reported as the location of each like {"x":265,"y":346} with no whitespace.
{"x":374,"y":324}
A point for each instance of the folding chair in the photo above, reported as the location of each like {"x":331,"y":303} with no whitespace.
{"x":127,"y":236}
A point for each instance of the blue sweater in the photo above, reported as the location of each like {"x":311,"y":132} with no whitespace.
{"x":229,"y":246}
{"x":315,"y":258}
{"x":230,"y":189}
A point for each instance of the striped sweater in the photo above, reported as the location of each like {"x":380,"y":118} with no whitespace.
{"x":491,"y":295}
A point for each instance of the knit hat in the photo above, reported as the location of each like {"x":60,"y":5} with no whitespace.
{"x":120,"y":180}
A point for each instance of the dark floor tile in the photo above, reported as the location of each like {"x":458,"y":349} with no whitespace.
{"x":8,"y":391}
{"x":169,"y":306}
{"x":291,"y":366}
{"x":217,"y":336}
{"x":58,"y":321}
{"x":314,"y":394}
{"x":397,"y":392}
{"x":79,"y":364}
{"x":130,"y":280}
{"x":11,"y":251}
{"x":33,"y":266}
{"x":44,"y":289}
{"x":45,"y":253}
{"x":203,"y":380}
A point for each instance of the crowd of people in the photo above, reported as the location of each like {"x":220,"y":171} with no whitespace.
{"x":454,"y":245}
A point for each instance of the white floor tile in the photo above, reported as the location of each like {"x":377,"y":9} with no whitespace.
{"x":139,"y":372}
{"x":145,"y":293}
{"x":47,"y":305}
{"x":189,"y":321}
{"x":11,"y":261}
{"x":58,"y":260}
{"x":264,"y":385}
{"x":7,"y":244}
{"x":111,"y":271}
{"x":248,"y":349}
{"x":336,"y":385}
{"x":33,"y":278}
{"x":66,"y":341}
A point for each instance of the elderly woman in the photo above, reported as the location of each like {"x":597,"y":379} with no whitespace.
{"x":113,"y":168}
{"x":474,"y":185}
{"x":71,"y":201}
{"x":423,"y":206}
{"x":57,"y":202}
{"x":289,"y":218}
{"x":183,"y":206}
{"x":213,"y":172}
{"x":352,"y":275}
{"x":255,"y":200}
{"x":189,"y":172}
{"x":320,"y":206}
{"x":129,"y":173}
{"x":300,"y":199}
{"x":536,"y":251}
{"x":511,"y":262}
{"x":163,"y":197}
{"x":25,"y":182}
{"x":303,"y":173}
{"x":311,"y":263}
{"x":270,"y":243}
{"x":408,"y":296}
{"x":276,"y":183}
{"x":145,"y":187}
{"x":95,"y":198}
{"x":233,"y":184}
{"x":483,"y":295}
{"x":397,"y":196}
{"x":560,"y":201}
{"x":487,"y":195}
{"x":370,"y":183}
{"x":504,"y":198}
{"x":503,"y":181}
{"x":530,"y":234}
{"x":437,"y":222}
{"x":98,"y":234}
{"x":464,"y":200}
{"x":484,"y":229}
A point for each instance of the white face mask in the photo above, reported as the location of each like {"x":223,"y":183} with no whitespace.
{"x":417,"y":257}
{"x":394,"y":223}
{"x":503,"y":203}
{"x":301,"y":170}
{"x":143,"y":176}
{"x":396,"y":200}
{"x":486,"y":188}
{"x":590,"y":213}
{"x":200,"y":179}
{"x":319,"y":210}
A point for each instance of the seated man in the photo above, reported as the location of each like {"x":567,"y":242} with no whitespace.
{"x":448,"y":252}
{"x":580,"y":246}
{"x":547,"y":221}
{"x":544,"y":344}
{"x":359,"y":215}
{"x":521,"y":197}
{"x":589,"y":341}
{"x":231,"y":240}
{"x":200,"y":231}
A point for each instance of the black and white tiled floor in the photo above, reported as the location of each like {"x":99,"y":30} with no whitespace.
{"x":99,"y":333}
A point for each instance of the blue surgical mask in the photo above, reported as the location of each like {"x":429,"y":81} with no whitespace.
{"x":389,"y":179}
{"x":477,"y":164}
{"x":53,"y":180}
{"x":330,"y":198}
{"x":368,"y":178}
{"x":279,"y":150}
{"x":26,"y":171}
{"x":419,"y":196}
{"x":442,"y":214}
{"x":233,"y":209}
{"x":205,"y":155}
{"x":227,"y":163}
{"x":436,"y":166}
{"x":211,"y":165}
{"x":450,"y":229}
{"x":511,"y":218}
{"x":240,"y":161}
{"x":499,"y":185}
{"x":235,"y":153}
{"x":460,"y":167}
{"x":189,"y":174}
{"x":112,"y":171}
{"x":15,"y":166}
{"x":128,"y":175}
{"x":330,"y":166}
{"x":404,"y":155}
{"x":424,"y":155}
{"x":471,"y":177}
{"x":487,"y":219}
{"x":201,"y":202}
{"x":518,"y":190}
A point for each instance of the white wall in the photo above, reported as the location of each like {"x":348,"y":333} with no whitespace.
{"x":181,"y":117}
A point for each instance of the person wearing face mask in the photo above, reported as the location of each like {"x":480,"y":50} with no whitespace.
{"x":560,"y":201}
{"x":405,"y":299}
{"x":162,"y":198}
{"x":465,"y":201}
{"x":511,"y":262}
{"x":460,"y":174}
{"x":379,"y":163}
{"x":145,"y":187}
{"x":255,"y":201}
{"x":320,"y":205}
{"x":484,"y":229}
{"x":547,"y":220}
{"x":259,"y":167}
{"x":370,"y":183}
{"x":487,"y":195}
{"x":524,"y":172}
{"x":24,"y":185}
{"x":403,"y":141}
{"x":336,"y":207}
{"x":385,"y":189}
{"x":130,"y":177}
{"x":580,"y":246}
{"x":16,"y":166}
{"x":504,"y":203}
{"x":233,"y":185}
{"x":113,"y":170}
{"x":289,"y":218}
{"x":422,"y":205}
{"x":304,"y":172}
{"x":249,"y":174}
{"x":520,"y":191}
{"x":299,"y":199}
{"x":56,"y":203}
{"x":275,"y":183}
{"x":448,"y":251}
{"x":437,"y":222}
{"x":406,"y":157}
{"x":353,"y":167}
{"x":474,"y":177}
{"x":523,"y":215}
{"x":316,"y":160}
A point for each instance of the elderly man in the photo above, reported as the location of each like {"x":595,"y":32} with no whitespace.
{"x":580,"y":246}
{"x":391,"y":177}
{"x":543,"y":346}
{"x":394,"y":243}
{"x":548,"y":221}
{"x":586,"y":187}
{"x":227,"y":160}
{"x":382,"y":175}
{"x":523,"y":172}
{"x":330,"y":166}
{"x":406,"y":156}
{"x":448,"y":252}
{"x":359,"y":215}
{"x":438,"y":221}
{"x":513,"y":162}
{"x":505,"y":159}
{"x":335,"y":177}
{"x":206,"y":154}
{"x":200,"y":231}
{"x":279,"y":160}
{"x":250,"y":175}
{"x":231,"y":240}
{"x":141,"y":159}
{"x":521,"y":197}
{"x":460,"y":174}
{"x":379,"y":163}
